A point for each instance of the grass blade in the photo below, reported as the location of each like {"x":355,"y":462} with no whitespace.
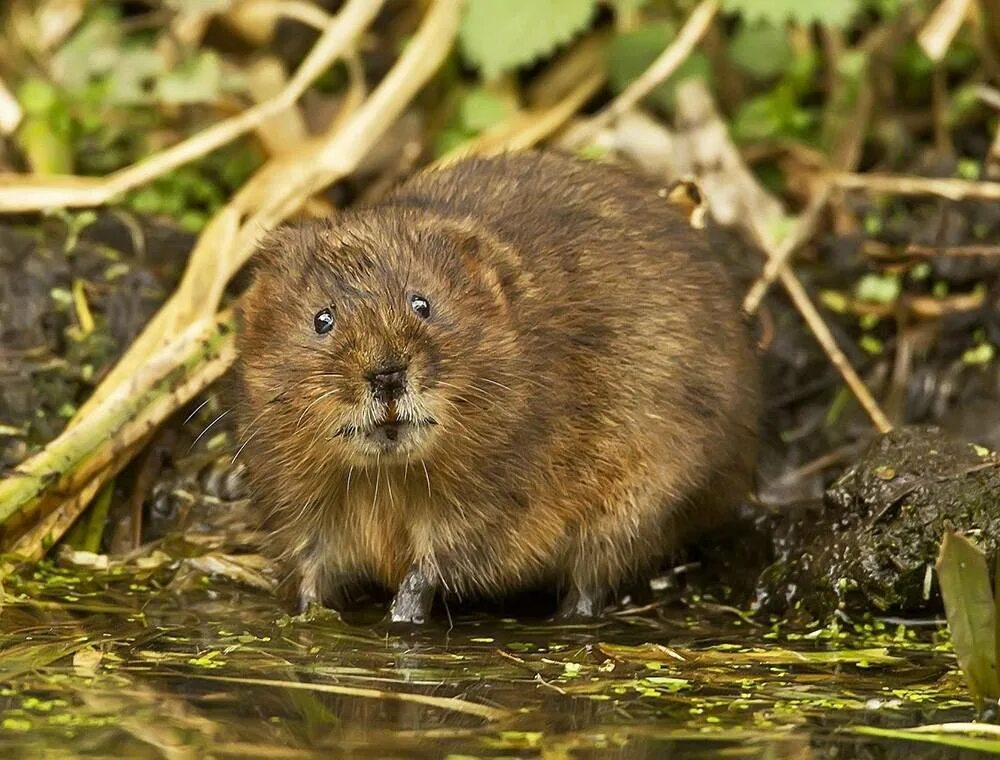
{"x":969,"y":606}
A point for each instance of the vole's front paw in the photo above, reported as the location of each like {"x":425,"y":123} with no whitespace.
{"x":414,"y":599}
{"x":579,"y":605}
{"x":307,"y":599}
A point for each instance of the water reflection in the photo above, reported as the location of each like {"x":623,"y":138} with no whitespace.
{"x":124,"y":666}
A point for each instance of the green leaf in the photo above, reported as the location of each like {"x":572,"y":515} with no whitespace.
{"x":966,"y":740}
{"x":970,"y":609}
{"x":632,"y":52}
{"x":870,"y":344}
{"x":773,"y":114}
{"x":982,"y":353}
{"x":37,"y":97}
{"x":196,"y":81}
{"x":761,"y":49}
{"x":92,"y":50}
{"x":481,"y":109}
{"x":131,"y":80}
{"x":877,"y":288}
{"x":46,"y":151}
{"x":500,"y":35}
{"x":627,"y":6}
{"x":828,"y":12}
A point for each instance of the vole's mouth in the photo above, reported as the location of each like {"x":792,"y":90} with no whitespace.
{"x":391,"y":428}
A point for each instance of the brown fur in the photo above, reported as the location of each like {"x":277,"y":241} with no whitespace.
{"x":592,"y":381}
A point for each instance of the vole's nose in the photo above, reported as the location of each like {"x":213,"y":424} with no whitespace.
{"x":388,"y":383}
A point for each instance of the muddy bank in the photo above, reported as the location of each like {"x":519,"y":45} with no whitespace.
{"x":871,"y":544}
{"x":74,"y":292}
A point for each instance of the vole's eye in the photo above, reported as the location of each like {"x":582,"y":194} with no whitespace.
{"x":323,"y":321}
{"x":420,"y":305}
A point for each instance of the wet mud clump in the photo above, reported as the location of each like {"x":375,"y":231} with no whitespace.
{"x":872,"y":543}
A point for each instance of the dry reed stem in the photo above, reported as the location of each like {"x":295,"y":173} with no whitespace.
{"x":32,"y":193}
{"x":10,"y":110}
{"x":901,"y":184}
{"x":266,"y":78}
{"x":665,"y":64}
{"x":87,"y":451}
{"x":34,"y":543}
{"x":942,"y":25}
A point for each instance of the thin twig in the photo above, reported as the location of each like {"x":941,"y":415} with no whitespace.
{"x":31,"y":193}
{"x":845,"y":156}
{"x":778,"y":256}
{"x":927,"y":307}
{"x":898,"y":184}
{"x":819,"y":329}
{"x":914,"y":249}
{"x":666,"y":64}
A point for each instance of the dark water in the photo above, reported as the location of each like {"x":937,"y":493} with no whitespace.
{"x":164,"y":663}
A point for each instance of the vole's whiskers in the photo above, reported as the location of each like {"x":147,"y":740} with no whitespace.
{"x":207,"y":428}
{"x":479,"y":392}
{"x":243,"y":446}
{"x":494,"y":382}
{"x":196,"y":410}
{"x":388,"y":488}
{"x":311,"y":404}
{"x":427,"y":477}
{"x":378,"y":470}
{"x":454,"y":420}
{"x":253,"y":422}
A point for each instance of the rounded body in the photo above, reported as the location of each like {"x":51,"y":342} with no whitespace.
{"x":510,"y":371}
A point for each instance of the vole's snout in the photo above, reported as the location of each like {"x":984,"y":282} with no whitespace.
{"x":388,"y":383}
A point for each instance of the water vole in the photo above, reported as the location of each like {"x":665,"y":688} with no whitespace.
{"x":511,"y":371}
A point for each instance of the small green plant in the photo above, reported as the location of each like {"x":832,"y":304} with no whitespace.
{"x":972,"y":612}
{"x":501,"y":35}
{"x":832,"y":12}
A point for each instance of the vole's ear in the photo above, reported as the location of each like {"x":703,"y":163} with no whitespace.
{"x":267,"y":255}
{"x":484,"y":262}
{"x":289,"y":248}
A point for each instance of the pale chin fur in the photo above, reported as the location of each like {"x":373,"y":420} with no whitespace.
{"x":368,"y":437}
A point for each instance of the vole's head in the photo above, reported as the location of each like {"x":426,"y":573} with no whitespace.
{"x":372,"y":339}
